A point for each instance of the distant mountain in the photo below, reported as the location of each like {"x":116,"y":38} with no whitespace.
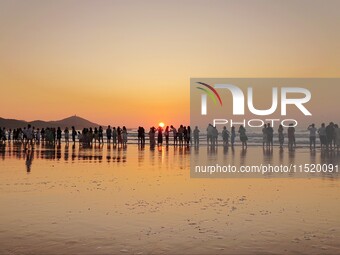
{"x":76,"y":121}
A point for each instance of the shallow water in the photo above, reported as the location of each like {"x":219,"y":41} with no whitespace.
{"x":104,"y":200}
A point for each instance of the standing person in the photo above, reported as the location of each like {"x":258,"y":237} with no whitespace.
{"x":119,"y":135}
{"x":225,"y":136}
{"x":281,"y":136}
{"x":185,"y":134}
{"x":152,"y":133}
{"x":54,"y":134}
{"x":312,"y":136}
{"x":24,"y":135}
{"x":233,"y":136}
{"x":167,"y":134}
{"x":96,"y":135}
{"x":14,"y":135}
{"x":101,"y":135}
{"x":67,"y":135}
{"x":291,"y":137}
{"x":139,"y":135}
{"x":180,"y":135}
{"x":90,"y":135}
{"x":9,"y":135}
{"x":264,"y":135}
{"x":125,"y":135}
{"x":337,"y":136}
{"x":20,"y":135}
{"x":29,"y":134}
{"x":108,"y":134}
{"x":174,"y":132}
{"x":214,"y":136}
{"x":142,"y":131}
{"x":1,"y":135}
{"x":34,"y":133}
{"x":243,"y":137}
{"x":38,"y":135}
{"x":189,"y":135}
{"x":196,"y":136}
{"x":74,"y":134}
{"x":42,"y":132}
{"x":270,"y":135}
{"x":114,"y":136}
{"x":322,"y":136}
{"x":160,"y":136}
{"x":330,"y":135}
{"x":59,"y":135}
{"x":210,"y":132}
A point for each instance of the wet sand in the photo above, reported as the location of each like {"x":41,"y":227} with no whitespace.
{"x":132,"y":201}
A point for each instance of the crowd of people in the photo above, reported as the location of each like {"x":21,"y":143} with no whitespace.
{"x":329,"y":135}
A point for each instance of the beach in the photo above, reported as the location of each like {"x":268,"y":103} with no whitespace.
{"x":105,"y":200}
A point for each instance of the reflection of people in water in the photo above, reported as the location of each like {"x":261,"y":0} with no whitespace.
{"x":66,"y":152}
{"x":29,"y":159}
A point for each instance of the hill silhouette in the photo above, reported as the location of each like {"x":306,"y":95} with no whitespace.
{"x":76,"y":121}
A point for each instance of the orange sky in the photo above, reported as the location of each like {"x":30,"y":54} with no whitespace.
{"x":130,"y":62}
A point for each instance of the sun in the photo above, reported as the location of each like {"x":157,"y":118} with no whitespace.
{"x":161,"y":124}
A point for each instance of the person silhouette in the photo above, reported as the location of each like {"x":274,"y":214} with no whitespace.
{"x":243,"y":137}
{"x":196,"y":136}
{"x":67,"y":135}
{"x":270,"y":135}
{"x":74,"y":134}
{"x":312,"y":136}
{"x":108,"y":134}
{"x":160,"y":136}
{"x":291,"y":137}
{"x":281,"y":136}
{"x":322,"y":136}
{"x":232,"y":136}
{"x":167,"y":134}
{"x":59,"y":135}
{"x":225,"y":136}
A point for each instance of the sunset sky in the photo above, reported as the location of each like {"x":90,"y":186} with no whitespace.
{"x":130,"y":62}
